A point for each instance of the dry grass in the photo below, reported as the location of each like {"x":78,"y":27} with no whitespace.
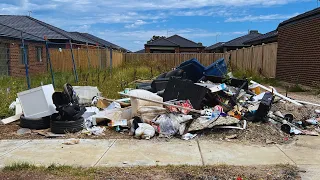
{"x":27,"y":171}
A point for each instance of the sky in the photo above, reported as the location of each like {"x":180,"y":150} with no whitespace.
{"x":131,"y":23}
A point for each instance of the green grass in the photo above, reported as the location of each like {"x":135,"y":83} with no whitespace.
{"x":19,"y":166}
{"x":108,"y":82}
{"x":296,"y":88}
{"x":256,"y":77}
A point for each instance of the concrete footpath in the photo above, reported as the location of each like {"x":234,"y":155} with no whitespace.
{"x":305,"y":153}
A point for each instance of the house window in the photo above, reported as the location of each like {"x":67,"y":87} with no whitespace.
{"x":39,"y":54}
{"x":21,"y":54}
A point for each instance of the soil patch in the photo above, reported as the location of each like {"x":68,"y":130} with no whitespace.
{"x":282,"y":172}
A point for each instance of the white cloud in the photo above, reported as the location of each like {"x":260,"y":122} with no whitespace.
{"x":138,"y":42}
{"x":260,"y":17}
{"x":182,"y":4}
{"x":121,"y":17}
{"x":138,"y":23}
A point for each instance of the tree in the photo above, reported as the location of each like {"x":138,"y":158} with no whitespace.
{"x":155,"y":38}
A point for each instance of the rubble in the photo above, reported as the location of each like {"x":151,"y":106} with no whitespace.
{"x":181,"y":103}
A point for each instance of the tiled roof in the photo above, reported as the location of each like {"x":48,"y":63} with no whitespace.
{"x":162,"y":42}
{"x":6,"y":31}
{"x":183,"y":42}
{"x":87,"y":40}
{"x":268,"y":35}
{"x":100,"y":41}
{"x":174,"y":41}
{"x":214,"y":46}
{"x":238,"y":42}
{"x":37,"y":28}
{"x":313,"y":12}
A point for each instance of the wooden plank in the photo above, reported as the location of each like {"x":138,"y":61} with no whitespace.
{"x":11,"y":119}
{"x":257,"y":59}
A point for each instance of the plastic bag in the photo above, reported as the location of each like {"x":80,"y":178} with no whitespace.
{"x":113,"y":105}
{"x":144,"y":131}
{"x":13,"y":105}
{"x":171,"y":124}
{"x":188,"y":136}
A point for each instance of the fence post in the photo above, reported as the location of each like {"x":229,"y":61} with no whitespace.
{"x":262,"y":64}
{"x":252,"y":59}
{"x":88,"y":56}
{"x":74,"y":64}
{"x":110,"y":59}
{"x":25,"y":61}
{"x":99,"y":55}
{"x":49,"y":61}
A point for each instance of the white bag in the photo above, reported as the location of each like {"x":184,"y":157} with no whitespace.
{"x":144,"y":131}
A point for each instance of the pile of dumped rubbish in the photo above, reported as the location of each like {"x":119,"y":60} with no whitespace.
{"x":179,"y":103}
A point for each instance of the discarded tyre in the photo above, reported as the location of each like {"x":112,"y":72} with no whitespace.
{"x":35,"y":123}
{"x":62,"y":127}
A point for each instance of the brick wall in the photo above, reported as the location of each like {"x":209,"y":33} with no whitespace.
{"x":298,"y":59}
{"x":16,"y":68}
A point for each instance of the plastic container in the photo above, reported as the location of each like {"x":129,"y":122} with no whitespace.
{"x":218,"y":68}
{"x":86,"y":93}
{"x":193,"y":69}
{"x":37,"y":102}
{"x":255,"y":88}
{"x":192,"y":61}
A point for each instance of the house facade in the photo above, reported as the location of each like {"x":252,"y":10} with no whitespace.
{"x":11,"y":53}
{"x":173,"y":44}
{"x":298,"y":59}
{"x":34,"y":32}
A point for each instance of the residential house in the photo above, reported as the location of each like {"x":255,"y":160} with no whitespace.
{"x":215,"y":48}
{"x":173,"y":44}
{"x":57,"y":37}
{"x":11,"y":52}
{"x":298,"y":57}
{"x":233,"y":44}
{"x":34,"y":32}
{"x":266,"y":38}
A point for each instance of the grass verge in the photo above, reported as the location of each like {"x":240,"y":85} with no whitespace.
{"x":17,"y":171}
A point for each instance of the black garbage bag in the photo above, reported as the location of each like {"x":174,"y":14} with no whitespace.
{"x":67,"y":105}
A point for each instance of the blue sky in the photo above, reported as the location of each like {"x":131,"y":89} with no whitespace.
{"x":130,"y":23}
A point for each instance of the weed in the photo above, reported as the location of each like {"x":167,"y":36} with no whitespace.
{"x":18,"y":166}
{"x":160,"y":172}
{"x":255,"y":77}
{"x":296,"y":88}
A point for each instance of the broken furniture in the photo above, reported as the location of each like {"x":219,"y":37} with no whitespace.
{"x":37,"y":102}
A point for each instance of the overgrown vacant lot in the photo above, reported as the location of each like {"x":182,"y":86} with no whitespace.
{"x":27,"y":171}
{"x":108,"y":82}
